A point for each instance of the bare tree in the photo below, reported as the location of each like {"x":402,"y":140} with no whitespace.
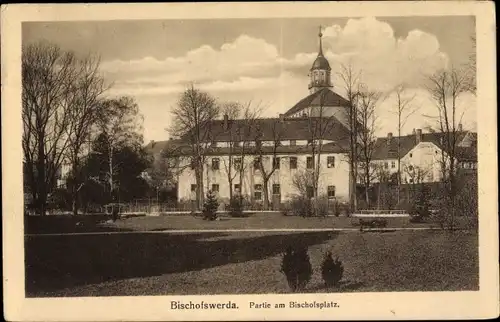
{"x":471,"y":68}
{"x":243,"y":119}
{"x":301,"y":181}
{"x":120,"y":123}
{"x":192,"y":121}
{"x":366,"y":137}
{"x":445,"y":87}
{"x":83,"y":115}
{"x":268,"y":153}
{"x":403,"y":110}
{"x":160,"y":175}
{"x":383,"y":176}
{"x":350,"y":81}
{"x":48,"y":75}
{"x":415,"y":174}
{"x":320,"y":124}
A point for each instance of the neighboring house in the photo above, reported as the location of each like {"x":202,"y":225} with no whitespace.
{"x":421,"y":155}
{"x":292,"y":156}
{"x":62,"y":174}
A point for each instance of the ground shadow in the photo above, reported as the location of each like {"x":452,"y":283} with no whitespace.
{"x":55,"y":262}
{"x":70,"y":224}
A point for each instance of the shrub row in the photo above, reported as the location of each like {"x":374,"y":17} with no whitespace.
{"x":321,"y":206}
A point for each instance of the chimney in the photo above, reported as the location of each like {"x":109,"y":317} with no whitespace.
{"x":460,"y":129}
{"x":418,"y":136}
{"x":389,"y":138}
{"x":226,"y":122}
{"x":282,"y":117}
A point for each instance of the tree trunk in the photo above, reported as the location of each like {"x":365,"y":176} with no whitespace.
{"x":111,"y":185}
{"x":265,"y":204}
{"x":199,"y":186}
{"x":367,"y":197}
{"x":74,"y":190}
{"x":378,"y":197}
{"x":42,"y":180}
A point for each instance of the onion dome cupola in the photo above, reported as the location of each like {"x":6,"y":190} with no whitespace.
{"x":320,"y":71}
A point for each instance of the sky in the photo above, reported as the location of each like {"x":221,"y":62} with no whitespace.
{"x":265,"y":62}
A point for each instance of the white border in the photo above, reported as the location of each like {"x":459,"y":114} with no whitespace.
{"x":418,"y":305}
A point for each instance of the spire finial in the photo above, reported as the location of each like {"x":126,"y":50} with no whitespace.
{"x":320,"y":34}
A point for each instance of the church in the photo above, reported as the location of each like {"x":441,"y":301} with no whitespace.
{"x":312,"y":136}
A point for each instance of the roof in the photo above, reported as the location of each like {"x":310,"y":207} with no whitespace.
{"x":157,"y":147}
{"x":321,"y":63}
{"x":264,"y":150}
{"x":386,"y":148}
{"x":268,"y":129}
{"x":323,"y":97}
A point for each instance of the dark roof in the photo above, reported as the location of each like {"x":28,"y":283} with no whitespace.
{"x":323,"y":97}
{"x":385,"y":149}
{"x":298,"y":149}
{"x":321,"y":63}
{"x":388,"y":149}
{"x":157,"y":147}
{"x":268,"y":129}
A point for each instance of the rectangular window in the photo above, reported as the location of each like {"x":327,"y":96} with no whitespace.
{"x":215,"y":187}
{"x":330,"y":162}
{"x":309,"y":163}
{"x":293,"y":142}
{"x":276,"y":189}
{"x":192,"y":165}
{"x":256,"y":163}
{"x":293,"y":162}
{"x":257,"y":192}
{"x":215,"y":164}
{"x":331,"y":191}
{"x":237,"y":187}
{"x":393,"y":164}
{"x":237,"y":163}
{"x":386,"y":165}
{"x":214,"y":144}
{"x":236,"y":144}
{"x":276,"y":162}
{"x":193,"y":187}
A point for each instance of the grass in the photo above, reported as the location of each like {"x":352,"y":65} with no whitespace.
{"x":245,"y":263}
{"x":90,"y":223}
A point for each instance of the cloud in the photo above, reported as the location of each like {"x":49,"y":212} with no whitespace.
{"x":366,"y":43}
{"x":250,"y":68}
{"x":384,"y":61}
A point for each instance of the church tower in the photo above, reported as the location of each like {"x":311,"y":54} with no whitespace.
{"x":320,"y":71}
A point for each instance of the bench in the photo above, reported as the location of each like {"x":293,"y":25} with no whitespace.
{"x":372,"y":223}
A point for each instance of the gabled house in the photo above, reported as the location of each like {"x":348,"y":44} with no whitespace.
{"x":422,"y":155}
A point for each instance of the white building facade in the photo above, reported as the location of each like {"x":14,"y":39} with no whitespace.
{"x":292,"y":154}
{"x":289,"y":168}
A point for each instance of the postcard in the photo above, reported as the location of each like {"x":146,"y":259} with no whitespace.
{"x":249,"y":161}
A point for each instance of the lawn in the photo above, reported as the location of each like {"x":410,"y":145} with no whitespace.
{"x":245,"y":262}
{"x":91,"y":223}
